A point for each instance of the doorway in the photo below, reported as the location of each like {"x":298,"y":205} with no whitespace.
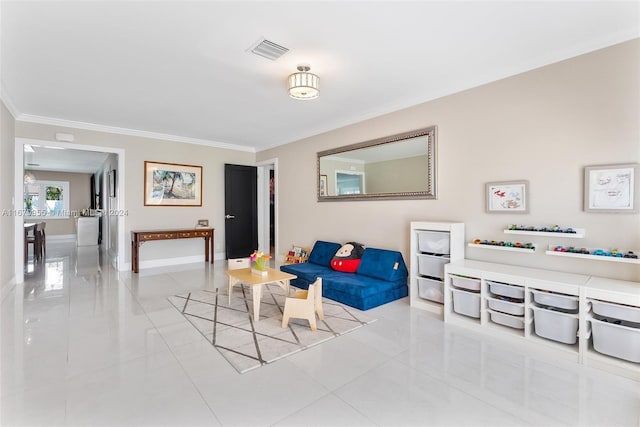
{"x":116,"y":205}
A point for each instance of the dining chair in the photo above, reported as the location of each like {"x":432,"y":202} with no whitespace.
{"x":43,"y":238}
{"x":305,"y":305}
{"x":35,"y":240}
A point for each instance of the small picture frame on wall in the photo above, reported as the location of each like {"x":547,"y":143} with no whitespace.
{"x":507,"y":197}
{"x":611,"y":188}
{"x":203,"y":223}
{"x":323,"y":185}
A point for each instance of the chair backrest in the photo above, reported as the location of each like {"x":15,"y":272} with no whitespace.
{"x":317,"y":293}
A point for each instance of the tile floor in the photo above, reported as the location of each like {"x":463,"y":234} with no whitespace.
{"x":82,"y":344}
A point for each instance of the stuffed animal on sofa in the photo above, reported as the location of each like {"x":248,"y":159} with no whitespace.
{"x":347,"y":259}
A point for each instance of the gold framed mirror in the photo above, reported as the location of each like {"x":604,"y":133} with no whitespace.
{"x":400,"y":166}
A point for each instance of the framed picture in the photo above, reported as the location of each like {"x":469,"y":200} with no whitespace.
{"x":507,"y":197}
{"x":204,"y":223}
{"x":112,"y":183}
{"x":611,"y":188}
{"x":323,"y":185}
{"x":171,"y":184}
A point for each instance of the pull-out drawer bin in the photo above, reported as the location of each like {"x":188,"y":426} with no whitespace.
{"x":616,"y":311}
{"x":432,"y":266}
{"x":507,"y":319}
{"x":466,"y":303}
{"x":616,"y":338}
{"x":506,"y":306}
{"x":435,"y":242}
{"x":506,"y":290}
{"x":555,"y":325}
{"x":465,"y":282}
{"x":552,"y":299}
{"x":430,"y":289}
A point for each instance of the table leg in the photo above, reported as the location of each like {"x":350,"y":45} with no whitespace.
{"x":257,"y":296}
{"x":206,"y":248}
{"x":232,"y":282}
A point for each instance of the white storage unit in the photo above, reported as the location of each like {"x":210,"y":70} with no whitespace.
{"x":558,"y":312}
{"x":433,"y":245}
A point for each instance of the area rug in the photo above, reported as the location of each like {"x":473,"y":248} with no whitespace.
{"x":247,"y":344}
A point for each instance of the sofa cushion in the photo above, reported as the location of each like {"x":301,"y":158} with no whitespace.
{"x":356,"y":284}
{"x":383,"y":264}
{"x":323,"y":252}
{"x":306,"y":271}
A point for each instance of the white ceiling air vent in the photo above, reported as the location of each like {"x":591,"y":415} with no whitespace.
{"x":268,"y":49}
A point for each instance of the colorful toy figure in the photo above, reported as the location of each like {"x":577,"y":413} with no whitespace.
{"x":347,"y":259}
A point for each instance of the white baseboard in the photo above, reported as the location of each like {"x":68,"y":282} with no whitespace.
{"x":171,"y":261}
{"x":7,"y":288}
{"x":60,"y":237}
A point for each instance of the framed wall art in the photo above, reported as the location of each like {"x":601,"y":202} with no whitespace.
{"x":611,"y":188}
{"x":507,"y":197}
{"x":171,"y":184}
{"x":323,"y":185}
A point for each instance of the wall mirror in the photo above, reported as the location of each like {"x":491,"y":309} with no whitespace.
{"x":400,"y":166}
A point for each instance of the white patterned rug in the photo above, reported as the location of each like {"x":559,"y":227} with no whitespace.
{"x":247,"y":344}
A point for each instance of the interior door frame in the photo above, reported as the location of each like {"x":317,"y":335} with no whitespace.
{"x":263,"y":205}
{"x":120,"y":260}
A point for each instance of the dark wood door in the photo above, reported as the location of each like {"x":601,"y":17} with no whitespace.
{"x":241,"y":210}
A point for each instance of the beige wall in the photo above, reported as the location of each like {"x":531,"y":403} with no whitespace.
{"x":7,"y":172}
{"x":544,"y":126}
{"x":138,"y":216}
{"x":395,"y":176}
{"x":79,"y":189}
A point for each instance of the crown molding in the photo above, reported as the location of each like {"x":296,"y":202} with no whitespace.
{"x":8,"y":102}
{"x":29,"y":118}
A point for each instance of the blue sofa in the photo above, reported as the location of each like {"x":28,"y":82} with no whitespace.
{"x":381,"y":276}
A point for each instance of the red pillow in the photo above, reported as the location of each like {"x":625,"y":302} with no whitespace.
{"x":347,"y":259}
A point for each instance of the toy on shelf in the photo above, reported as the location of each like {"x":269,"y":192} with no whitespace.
{"x":501,"y":244}
{"x":297,"y":255}
{"x":553,"y":229}
{"x":597,"y":252}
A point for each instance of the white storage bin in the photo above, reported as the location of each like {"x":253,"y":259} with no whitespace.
{"x":515,"y":308}
{"x":507,"y":320}
{"x":618,"y":340}
{"x":616,"y":311}
{"x":567,"y":302}
{"x":434,"y":242}
{"x":465,"y":282}
{"x":505,"y":290}
{"x":430,"y":289}
{"x":555,"y":325}
{"x":466,"y":303}
{"x":432,"y":266}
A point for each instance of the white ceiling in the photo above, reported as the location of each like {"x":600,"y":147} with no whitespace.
{"x":182,"y":69}
{"x":63,"y":160}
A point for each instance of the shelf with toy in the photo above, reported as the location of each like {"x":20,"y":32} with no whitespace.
{"x":297,"y":255}
{"x":553,"y":231}
{"x":613,"y":255}
{"x":503,"y":246}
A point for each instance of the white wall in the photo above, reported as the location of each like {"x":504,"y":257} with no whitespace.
{"x":544,"y":126}
{"x":7,"y":172}
{"x":138,"y":216}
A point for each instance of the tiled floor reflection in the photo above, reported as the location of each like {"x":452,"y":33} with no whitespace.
{"x":83,"y":344}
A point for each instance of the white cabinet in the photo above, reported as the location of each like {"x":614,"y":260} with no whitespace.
{"x":552,"y":311}
{"x":433,"y":245}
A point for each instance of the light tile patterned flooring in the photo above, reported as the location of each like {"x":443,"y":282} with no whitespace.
{"x":86,"y":347}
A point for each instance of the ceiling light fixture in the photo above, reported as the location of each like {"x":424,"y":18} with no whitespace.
{"x":303,"y":85}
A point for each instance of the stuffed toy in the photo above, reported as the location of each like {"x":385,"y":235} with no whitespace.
{"x":347,"y":259}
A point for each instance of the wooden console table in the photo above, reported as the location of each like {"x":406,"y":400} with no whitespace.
{"x":138,"y":237}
